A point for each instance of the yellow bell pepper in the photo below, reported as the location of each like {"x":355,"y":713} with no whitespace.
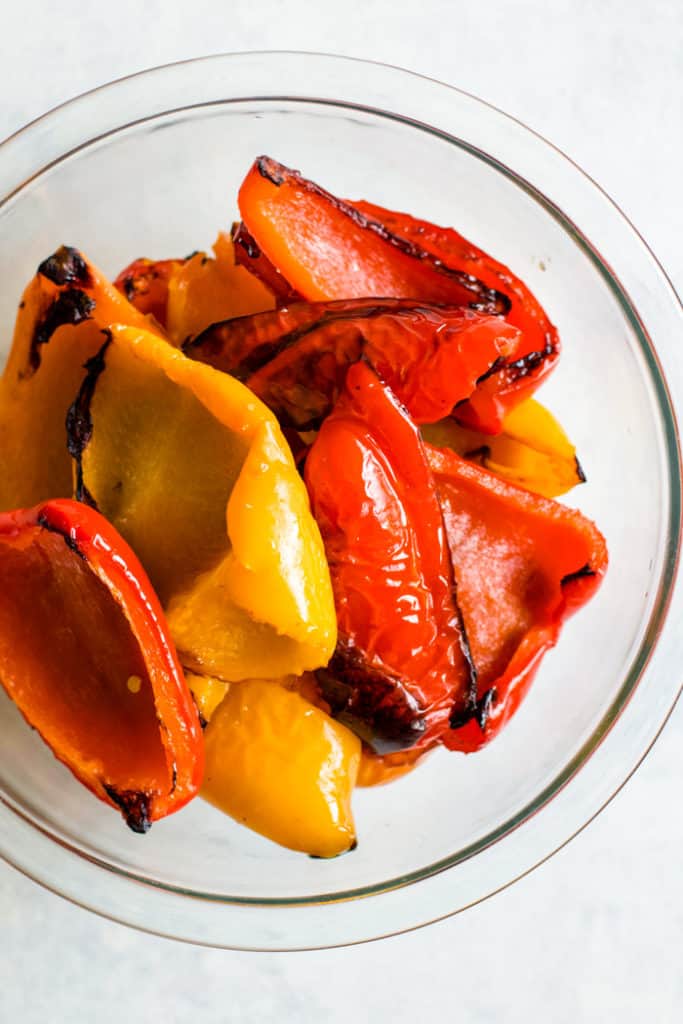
{"x":59,"y":325}
{"x":194,"y":472}
{"x":208,"y":692}
{"x":282,"y":767}
{"x":204,"y":291}
{"x":532,"y":450}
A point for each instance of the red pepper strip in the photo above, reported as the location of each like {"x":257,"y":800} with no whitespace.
{"x":86,"y":655}
{"x":400,"y":669}
{"x":522,"y":564}
{"x":540,"y":343}
{"x":145,"y":285}
{"x":249,"y":256}
{"x":327,"y":249}
{"x":431,"y":356}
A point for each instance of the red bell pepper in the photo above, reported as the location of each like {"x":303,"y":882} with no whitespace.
{"x":522,"y":564}
{"x":400,"y":669}
{"x":327,"y":249}
{"x":295,"y":359}
{"x":86,"y":655}
{"x":539,"y":349}
{"x":145,"y":285}
{"x":249,"y":256}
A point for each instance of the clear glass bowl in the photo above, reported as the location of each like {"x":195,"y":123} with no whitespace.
{"x":150,"y":166}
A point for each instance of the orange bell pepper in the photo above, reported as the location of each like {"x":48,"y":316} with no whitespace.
{"x":249,"y":256}
{"x":522,"y":564}
{"x":145,"y":284}
{"x":325,"y":248}
{"x":59,"y":326}
{"x":86,"y":656}
{"x":295,"y":359}
{"x":401,"y":666}
{"x":195,"y":473}
{"x":539,"y":350}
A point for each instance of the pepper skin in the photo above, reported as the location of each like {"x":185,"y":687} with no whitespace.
{"x":145,"y":284}
{"x":326,"y":249}
{"x":282,"y":767}
{"x":532,"y":451}
{"x":86,"y":655}
{"x":249,"y":256}
{"x":400,"y":668}
{"x":522,"y":564}
{"x":540,"y":348}
{"x":58,"y":327}
{"x":295,"y":359}
{"x":195,"y":473}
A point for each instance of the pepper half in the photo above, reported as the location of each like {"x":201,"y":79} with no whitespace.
{"x":401,"y":667}
{"x":86,"y":655}
{"x":522,"y":564}
{"x":295,"y":359}
{"x":194,"y":471}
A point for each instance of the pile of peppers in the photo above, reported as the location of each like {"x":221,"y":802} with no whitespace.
{"x":280,"y":520}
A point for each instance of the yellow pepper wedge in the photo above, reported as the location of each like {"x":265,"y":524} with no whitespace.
{"x":59,"y":325}
{"x":204,"y":291}
{"x":193,"y":471}
{"x":282,"y":767}
{"x":532,"y":450}
{"x":208,"y":692}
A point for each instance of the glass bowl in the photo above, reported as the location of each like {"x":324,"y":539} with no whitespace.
{"x":150,"y":165}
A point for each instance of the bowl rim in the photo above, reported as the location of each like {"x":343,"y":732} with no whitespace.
{"x":666,"y":584}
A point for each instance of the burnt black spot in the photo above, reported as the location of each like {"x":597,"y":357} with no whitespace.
{"x":66,"y":266}
{"x":22,"y":304}
{"x":134,"y":806}
{"x":484,"y":299}
{"x":72,"y":306}
{"x":79,"y":425}
{"x":351,"y":848}
{"x":580,"y":574}
{"x":525,"y":365}
{"x":371,"y":700}
{"x":480,"y":710}
{"x":68,"y":539}
{"x":129,"y":287}
{"x":579,"y":470}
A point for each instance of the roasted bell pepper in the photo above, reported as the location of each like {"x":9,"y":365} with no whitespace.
{"x":145,"y":284}
{"x":540,"y":345}
{"x":86,"y":655}
{"x":194,"y":471}
{"x":295,"y":359}
{"x":401,"y":668}
{"x":522,"y":564}
{"x":59,"y":326}
{"x":378,"y":769}
{"x":283,"y":767}
{"x":327,"y":249}
{"x":532,"y":450}
{"x":249,"y":256}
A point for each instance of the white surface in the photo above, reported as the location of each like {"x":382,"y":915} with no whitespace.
{"x":596,"y":934}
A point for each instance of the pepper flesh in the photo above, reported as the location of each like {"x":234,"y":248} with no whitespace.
{"x":540,"y":347}
{"x":237,"y":558}
{"x":400,"y":668}
{"x":326,"y":249}
{"x":58,"y":327}
{"x":145,"y":284}
{"x":532,"y":450}
{"x":295,"y":359}
{"x":86,"y":655}
{"x":522,"y":564}
{"x":283,"y":767}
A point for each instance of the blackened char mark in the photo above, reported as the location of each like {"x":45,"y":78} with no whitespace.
{"x":66,"y":537}
{"x":79,"y":425}
{"x":480,"y":710}
{"x":526,"y":365}
{"x":486,"y":300}
{"x":579,"y":470}
{"x":371,"y":700}
{"x":72,"y":306}
{"x":580,"y":574}
{"x":134,"y":806}
{"x":66,"y":266}
{"x":249,"y":255}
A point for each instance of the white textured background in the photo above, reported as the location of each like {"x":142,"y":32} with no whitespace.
{"x":597,"y":933}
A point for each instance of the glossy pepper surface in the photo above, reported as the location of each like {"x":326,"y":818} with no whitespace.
{"x":539,"y":350}
{"x":325,"y":248}
{"x":87,"y":657}
{"x":400,"y":668}
{"x":522,"y":564}
{"x":296,"y":358}
{"x":194,"y":471}
{"x":59,"y":326}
